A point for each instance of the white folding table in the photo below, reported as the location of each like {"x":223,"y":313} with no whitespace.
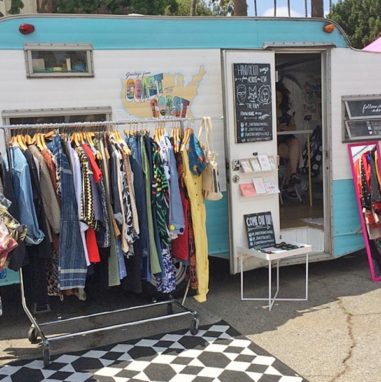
{"x":271,"y":258}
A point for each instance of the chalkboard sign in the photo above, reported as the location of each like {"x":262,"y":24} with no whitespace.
{"x":260,"y":230}
{"x":252,"y":99}
{"x":364,"y":108}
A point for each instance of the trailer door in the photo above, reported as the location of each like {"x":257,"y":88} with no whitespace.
{"x":249,"y":89}
{"x":353,"y":73}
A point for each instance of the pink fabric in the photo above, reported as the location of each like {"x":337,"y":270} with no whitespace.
{"x":374,"y":46}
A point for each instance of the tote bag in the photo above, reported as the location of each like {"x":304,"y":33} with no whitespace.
{"x":210,"y":176}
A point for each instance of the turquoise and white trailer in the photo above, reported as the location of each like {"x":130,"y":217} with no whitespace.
{"x":61,"y":68}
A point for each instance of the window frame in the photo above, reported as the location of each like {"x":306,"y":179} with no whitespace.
{"x":347,"y":118}
{"x":51,"y":47}
{"x":8,"y":115}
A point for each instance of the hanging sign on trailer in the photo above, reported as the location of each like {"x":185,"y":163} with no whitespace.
{"x":252,"y":90}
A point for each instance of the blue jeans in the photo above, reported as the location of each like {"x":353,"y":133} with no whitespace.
{"x":72,"y":262}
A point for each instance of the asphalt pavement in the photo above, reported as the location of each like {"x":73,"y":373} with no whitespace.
{"x":334,"y":336}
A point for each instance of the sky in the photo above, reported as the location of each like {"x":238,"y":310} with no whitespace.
{"x":266,"y":7}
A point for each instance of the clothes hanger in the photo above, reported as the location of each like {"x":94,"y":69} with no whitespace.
{"x":75,"y":138}
{"x":186,"y":137}
{"x":38,"y":141}
{"x":28,"y":139}
{"x":21,"y":142}
{"x":156,"y":134}
{"x":42,"y":137}
{"x":89,"y":137}
{"x":12,"y":141}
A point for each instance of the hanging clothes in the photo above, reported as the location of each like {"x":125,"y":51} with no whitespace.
{"x":125,"y":208}
{"x":155,"y":266}
{"x":39,"y":255}
{"x":183,"y":247}
{"x":101,"y":213}
{"x":12,"y":234}
{"x":141,"y":245}
{"x":368,"y":188}
{"x":176,"y":213}
{"x":23,"y":190}
{"x":18,"y":255}
{"x":166,"y":282}
{"x":48,"y":194}
{"x":194,"y":187}
{"x":78,"y":189}
{"x":112,"y":263}
{"x":72,"y":264}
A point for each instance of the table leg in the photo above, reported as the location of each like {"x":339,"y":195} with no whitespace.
{"x":270,"y":302}
{"x":241,"y":265}
{"x":277,"y":276}
{"x":306,"y":276}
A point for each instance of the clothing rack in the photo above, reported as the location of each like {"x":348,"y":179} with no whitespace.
{"x":36,"y":332}
{"x":138,"y":122}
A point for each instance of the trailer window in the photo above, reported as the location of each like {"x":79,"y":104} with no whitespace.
{"x":58,"y":60}
{"x":361,"y":117}
{"x":31,"y":116}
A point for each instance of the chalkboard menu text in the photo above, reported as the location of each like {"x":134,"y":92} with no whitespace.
{"x":260,"y":230}
{"x":253,"y":105}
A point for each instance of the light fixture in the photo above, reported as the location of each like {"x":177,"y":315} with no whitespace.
{"x":329,"y":27}
{"x":26,"y":28}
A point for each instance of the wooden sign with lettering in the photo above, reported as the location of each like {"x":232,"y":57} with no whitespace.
{"x":260,"y":230}
{"x":253,"y":102}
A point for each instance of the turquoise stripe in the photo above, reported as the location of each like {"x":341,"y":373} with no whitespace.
{"x":108,"y":32}
{"x":217,"y":226}
{"x":346,"y":221}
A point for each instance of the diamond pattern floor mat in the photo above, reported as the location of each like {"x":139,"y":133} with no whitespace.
{"x":218,"y":353}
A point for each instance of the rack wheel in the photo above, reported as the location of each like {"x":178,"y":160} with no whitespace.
{"x":33,"y":335}
{"x":194,"y":327}
{"x":46,"y":356}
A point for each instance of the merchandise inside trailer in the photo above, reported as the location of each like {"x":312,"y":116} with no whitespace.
{"x":302,"y":203}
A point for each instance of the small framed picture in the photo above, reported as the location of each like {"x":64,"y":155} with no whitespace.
{"x":245,"y":165}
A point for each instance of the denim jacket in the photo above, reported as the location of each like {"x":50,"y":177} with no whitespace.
{"x":23,"y":191}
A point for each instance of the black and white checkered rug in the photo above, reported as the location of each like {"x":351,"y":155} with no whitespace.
{"x":216,"y":353}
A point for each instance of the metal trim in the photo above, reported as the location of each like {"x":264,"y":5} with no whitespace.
{"x":301,"y":44}
{"x":54,"y":112}
{"x":326,"y":85}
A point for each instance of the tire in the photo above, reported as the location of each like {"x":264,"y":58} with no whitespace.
{"x":33,"y":335}
{"x":181,"y":274}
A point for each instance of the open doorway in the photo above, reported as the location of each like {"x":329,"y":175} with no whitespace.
{"x":301,"y":198}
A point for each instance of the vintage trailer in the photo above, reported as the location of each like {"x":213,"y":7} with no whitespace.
{"x":60,"y":68}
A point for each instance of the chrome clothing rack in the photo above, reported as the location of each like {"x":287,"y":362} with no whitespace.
{"x":36,"y":332}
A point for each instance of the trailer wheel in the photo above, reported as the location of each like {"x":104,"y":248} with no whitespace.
{"x":33,"y":335}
